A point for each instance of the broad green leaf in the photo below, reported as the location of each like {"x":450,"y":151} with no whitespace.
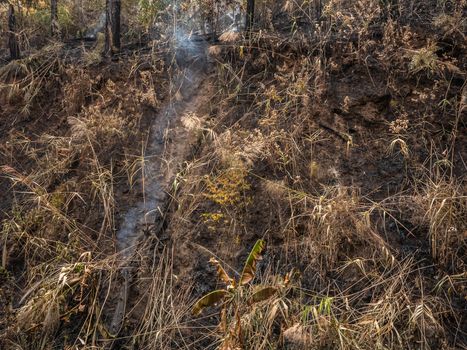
{"x":263,"y":294}
{"x":250,"y":265}
{"x":209,"y":299}
{"x":222,"y":274}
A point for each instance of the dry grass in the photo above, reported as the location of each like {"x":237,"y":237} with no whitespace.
{"x":62,"y":220}
{"x":337,"y":137}
{"x":370,"y":262}
{"x":162,"y":324}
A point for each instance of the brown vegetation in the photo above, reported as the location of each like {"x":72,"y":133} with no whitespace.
{"x":326,"y":149}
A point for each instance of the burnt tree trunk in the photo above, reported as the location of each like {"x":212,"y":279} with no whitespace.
{"x":250,"y":14}
{"x":112,"y":26}
{"x":319,"y":9}
{"x":108,"y":28}
{"x":12,"y":35}
{"x":116,"y":9}
{"x":54,"y":28}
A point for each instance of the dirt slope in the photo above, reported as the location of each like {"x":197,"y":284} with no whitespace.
{"x":340,"y":142}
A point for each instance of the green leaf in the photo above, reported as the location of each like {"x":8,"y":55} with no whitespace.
{"x":263,"y":294}
{"x":249,"y":270}
{"x":209,"y":299}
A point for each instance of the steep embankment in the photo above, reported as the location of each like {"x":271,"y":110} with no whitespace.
{"x":70,"y":154}
{"x":347,"y":158}
{"x":339,"y":140}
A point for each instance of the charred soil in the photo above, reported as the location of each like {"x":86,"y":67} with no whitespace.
{"x":341,"y":143}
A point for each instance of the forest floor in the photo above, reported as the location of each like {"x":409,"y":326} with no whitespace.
{"x":345,"y":153}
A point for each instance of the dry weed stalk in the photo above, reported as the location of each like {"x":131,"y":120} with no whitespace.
{"x":162,"y":324}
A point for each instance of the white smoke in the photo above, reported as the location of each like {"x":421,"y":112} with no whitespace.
{"x":91,"y":33}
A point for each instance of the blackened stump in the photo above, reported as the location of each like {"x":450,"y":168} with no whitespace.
{"x":12,"y":35}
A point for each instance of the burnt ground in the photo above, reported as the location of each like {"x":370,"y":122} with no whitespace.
{"x":329,"y":142}
{"x":27,"y":146}
{"x":354,"y":151}
{"x":353,"y":148}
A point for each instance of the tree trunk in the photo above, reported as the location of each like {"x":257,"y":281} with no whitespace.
{"x":112,"y":26}
{"x":54,"y":28}
{"x":319,"y":9}
{"x":116,"y":9}
{"x":108,"y":28}
{"x":12,"y":36}
{"x":250,"y":14}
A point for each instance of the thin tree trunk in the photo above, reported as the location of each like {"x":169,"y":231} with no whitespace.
{"x":250,"y":14}
{"x":54,"y":28}
{"x":319,"y":9}
{"x":112,"y":26}
{"x":12,"y":35}
{"x":108,"y":28}
{"x":116,"y":9}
